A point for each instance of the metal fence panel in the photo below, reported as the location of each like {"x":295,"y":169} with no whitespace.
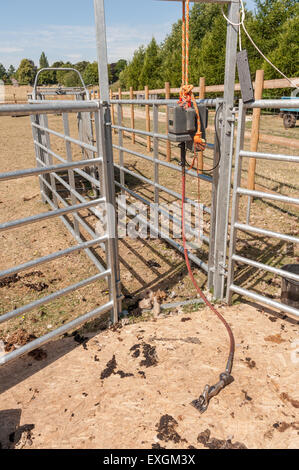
{"x":238,"y":191}
{"x":71,"y":203}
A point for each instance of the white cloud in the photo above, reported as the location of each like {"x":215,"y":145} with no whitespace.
{"x":8,"y":50}
{"x":64,"y":42}
{"x":74,"y":56}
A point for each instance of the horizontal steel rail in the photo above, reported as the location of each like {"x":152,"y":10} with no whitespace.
{"x":207,"y":102}
{"x":57,"y":92}
{"x":163,"y":163}
{"x":63,"y":160}
{"x":69,"y":227}
{"x":291,"y":103}
{"x":140,"y":132}
{"x":157,"y":185}
{"x":55,"y":295}
{"x":75,"y":215}
{"x":150,"y":134}
{"x":270,"y":156}
{"x":53,"y":334}
{"x":205,"y":208}
{"x":264,"y":300}
{"x":176,"y":220}
{"x":12,"y":175}
{"x":69,"y":188}
{"x":81,"y":144}
{"x":176,"y":245}
{"x":238,"y":191}
{"x":266,"y":267}
{"x":51,"y":257}
{"x":267,"y":233}
{"x":49,"y":107}
{"x":49,"y":215}
{"x":263,"y":195}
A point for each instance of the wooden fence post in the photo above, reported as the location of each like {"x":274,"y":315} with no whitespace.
{"x":148,"y":118}
{"x":202,"y":93}
{"x":168,"y":144}
{"x":112,"y":112}
{"x":122,"y":109}
{"x":255,"y":128}
{"x":202,"y":88}
{"x":132,"y":114}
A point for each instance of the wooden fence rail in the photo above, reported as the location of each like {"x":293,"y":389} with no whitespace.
{"x":268,"y":85}
{"x":259,"y":85}
{"x":19,"y":95}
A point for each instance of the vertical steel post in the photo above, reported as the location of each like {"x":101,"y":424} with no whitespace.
{"x":156,"y":166}
{"x":100,"y":21}
{"x":236,"y":197}
{"x":45,"y":123}
{"x":39,"y":137}
{"x":230,"y":164}
{"x":120,"y":144}
{"x":71,"y":173}
{"x":156,"y":152}
{"x":104,"y":145}
{"x":212,"y":234}
{"x":223,"y":195}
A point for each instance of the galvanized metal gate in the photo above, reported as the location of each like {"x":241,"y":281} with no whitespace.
{"x":236,"y":223}
{"x":101,"y":177}
{"x":50,"y":166}
{"x":217,"y":239}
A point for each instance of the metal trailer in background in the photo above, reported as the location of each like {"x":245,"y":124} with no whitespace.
{"x":236,"y":225}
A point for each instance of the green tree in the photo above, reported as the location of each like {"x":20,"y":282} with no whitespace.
{"x":67,"y":78}
{"x":91,"y":74}
{"x":115,"y":70}
{"x":150,"y":73}
{"x":130,"y":76}
{"x":286,"y":55}
{"x":11,"y":71}
{"x":202,"y":19}
{"x":171,"y":56}
{"x":43,"y":61}
{"x":119,"y":67}
{"x":273,"y":27}
{"x":58,"y":63}
{"x":45,"y":78}
{"x":2,"y":72}
{"x":211,"y":61}
{"x":81,"y":66}
{"x":26,"y":72}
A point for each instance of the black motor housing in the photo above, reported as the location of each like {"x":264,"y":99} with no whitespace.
{"x":182,"y":123}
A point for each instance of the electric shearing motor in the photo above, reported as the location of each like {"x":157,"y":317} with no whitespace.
{"x":183,"y":125}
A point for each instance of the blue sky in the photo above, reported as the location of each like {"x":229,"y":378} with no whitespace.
{"x":64,"y":29}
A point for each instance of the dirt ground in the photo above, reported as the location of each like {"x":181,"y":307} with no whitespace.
{"x":42,"y":406}
{"x":131,"y":387}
